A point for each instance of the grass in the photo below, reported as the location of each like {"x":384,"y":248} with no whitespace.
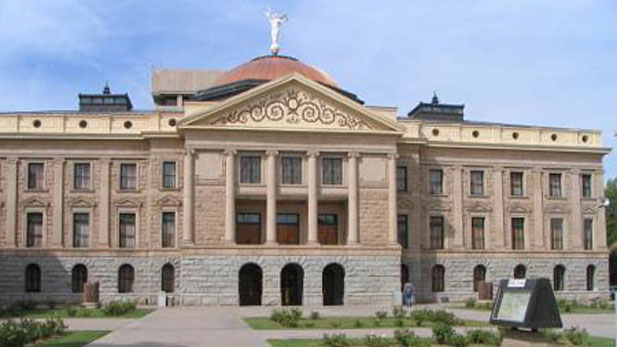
{"x":595,"y":341}
{"x":92,"y":313}
{"x":73,"y":339}
{"x":265,"y":323}
{"x":573,"y":309}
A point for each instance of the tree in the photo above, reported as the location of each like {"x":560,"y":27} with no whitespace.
{"x":610,"y":192}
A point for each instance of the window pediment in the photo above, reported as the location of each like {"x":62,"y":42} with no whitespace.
{"x":80,"y":202}
{"x":35,"y":202}
{"x":168,"y":201}
{"x":129,"y":203}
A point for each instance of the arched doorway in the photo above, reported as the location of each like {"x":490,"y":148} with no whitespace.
{"x":333,"y":284}
{"x":404,"y":275}
{"x":292,"y":282}
{"x":79,"y":276}
{"x":250,"y":284}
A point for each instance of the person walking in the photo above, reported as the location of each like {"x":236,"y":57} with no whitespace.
{"x":408,"y":290}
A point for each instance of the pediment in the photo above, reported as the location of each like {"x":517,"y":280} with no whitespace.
{"x":438,"y":206}
{"x":79,"y":202}
{"x":517,"y":208}
{"x":168,"y":201}
{"x":294,"y":103}
{"x":35,"y":202}
{"x":480,"y":207}
{"x":129,"y":203}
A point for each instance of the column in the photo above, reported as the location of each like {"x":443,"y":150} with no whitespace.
{"x":230,"y":196}
{"x":55,"y":241}
{"x":187,"y":235}
{"x":497,"y":232}
{"x":392,"y":205}
{"x":599,"y":225}
{"x":352,"y":199}
{"x":104,"y":203}
{"x":312,"y":196}
{"x":457,"y":209}
{"x":573,"y":232}
{"x":11,"y":203}
{"x":536,"y":235}
{"x":271,"y":196}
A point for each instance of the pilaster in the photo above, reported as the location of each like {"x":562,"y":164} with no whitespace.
{"x":11,"y":233}
{"x":457,"y":207}
{"x":56,"y":239}
{"x":312,"y":196}
{"x":352,"y":199}
{"x":230,"y":196}
{"x":104,"y":232}
{"x":392,"y":205}
{"x":271,"y":196}
{"x":187,"y":235}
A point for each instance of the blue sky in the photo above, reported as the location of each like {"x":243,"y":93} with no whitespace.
{"x":550,"y":63}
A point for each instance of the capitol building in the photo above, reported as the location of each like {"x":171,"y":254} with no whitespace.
{"x":271,"y":184}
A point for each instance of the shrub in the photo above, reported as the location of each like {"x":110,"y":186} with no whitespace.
{"x":470,"y":303}
{"x":287,"y":317}
{"x":399,"y":312}
{"x":603,"y":304}
{"x":84,"y":312}
{"x":443,"y":316}
{"x":484,"y":337}
{"x":551,"y":335}
{"x":377,"y":322}
{"x":13,"y":334}
{"x":315,"y":315}
{"x":443,"y":333}
{"x":399,"y":322}
{"x":381,"y":314}
{"x":118,"y":308}
{"x":577,"y":336}
{"x":70,"y":311}
{"x":336,"y":340}
{"x":373,"y":340}
{"x":309,"y":324}
{"x":407,"y":338}
{"x":358,"y":323}
{"x":458,"y":340}
{"x":335,"y":324}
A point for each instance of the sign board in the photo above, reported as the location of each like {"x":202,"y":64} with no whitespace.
{"x":526,"y":304}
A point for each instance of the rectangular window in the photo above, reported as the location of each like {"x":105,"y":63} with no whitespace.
{"x":81,"y":176}
{"x":81,"y":229}
{"x":554,"y":185}
{"x":250,"y":169}
{"x":128,"y":176}
{"x":477,"y":232}
{"x":248,"y":228}
{"x":327,"y":228}
{"x":36,"y":175}
{"x":401,"y":178}
{"x":518,"y":233}
{"x":292,"y":170}
{"x":332,"y":170}
{"x":34,"y":234}
{"x":586,"y":185}
{"x":127,"y":230}
{"x":556,"y":233}
{"x":288,"y":228}
{"x":477,"y":182}
{"x":437,"y":232}
{"x":403,"y":232}
{"x":588,"y":233}
{"x":516,"y":183}
{"x":169,"y":174}
{"x":435,"y":181}
{"x":168,"y":229}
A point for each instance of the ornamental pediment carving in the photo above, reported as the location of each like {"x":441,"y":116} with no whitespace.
{"x":129,"y":203}
{"x":556,"y":209}
{"x":80,"y":202}
{"x":35,"y":202}
{"x":517,"y":208}
{"x":168,"y":201}
{"x":479,"y":207}
{"x":438,"y":206}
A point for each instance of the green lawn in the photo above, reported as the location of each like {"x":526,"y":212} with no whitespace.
{"x":600,"y":342}
{"x":265,"y":323}
{"x":73,"y":339}
{"x":81,"y":313}
{"x":577,"y":309}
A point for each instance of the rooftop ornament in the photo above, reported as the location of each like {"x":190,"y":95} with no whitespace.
{"x":276,"y":20}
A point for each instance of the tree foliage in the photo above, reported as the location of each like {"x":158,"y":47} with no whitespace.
{"x":611,"y":212}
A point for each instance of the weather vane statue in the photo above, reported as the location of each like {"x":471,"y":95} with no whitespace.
{"x":276,"y":20}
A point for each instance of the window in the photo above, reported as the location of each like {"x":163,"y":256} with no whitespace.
{"x":127,"y":230}
{"x":479,"y":276}
{"x":516,"y":183}
{"x":403,"y":233}
{"x":34,"y":232}
{"x":250,"y":169}
{"x":288,"y":228}
{"x":477,"y":232}
{"x":477,"y":182}
{"x":292,"y":170}
{"x":591,"y":274}
{"x":128,"y":176}
{"x":401,"y":178}
{"x":81,"y":176}
{"x":558,"y":277}
{"x":169,"y":174}
{"x":36,"y":175}
{"x":248,"y":228}
{"x":168,"y":274}
{"x":588,"y":233}
{"x":81,"y":229}
{"x":327,"y":233}
{"x":438,"y":278}
{"x":554,"y":185}
{"x":435,"y":181}
{"x":518,"y":233}
{"x":586,"y":185}
{"x":126,"y":277}
{"x":168,"y":229}
{"x":332,"y":170}
{"x":33,"y":278}
{"x":437,"y":232}
{"x":520,"y":271}
{"x":556,"y":233}
{"x":79,"y":276}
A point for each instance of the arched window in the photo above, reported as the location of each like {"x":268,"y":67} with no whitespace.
{"x":479,"y":276}
{"x":168,"y":276}
{"x":558,"y":275}
{"x":33,"y":278}
{"x":438,"y":278}
{"x":126,"y":277}
{"x":79,"y":276}
{"x":520,"y":271}
{"x":591,"y":274}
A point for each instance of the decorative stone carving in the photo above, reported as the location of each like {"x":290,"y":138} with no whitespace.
{"x":168,"y":201}
{"x":34,"y":202}
{"x":292,"y":106}
{"x":80,"y":202}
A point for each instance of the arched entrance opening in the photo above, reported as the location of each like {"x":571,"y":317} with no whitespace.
{"x":292,"y":282}
{"x":250,"y":284}
{"x":333,"y":284}
{"x":404,"y":275}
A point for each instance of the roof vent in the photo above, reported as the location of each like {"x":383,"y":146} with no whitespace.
{"x":105,"y":102}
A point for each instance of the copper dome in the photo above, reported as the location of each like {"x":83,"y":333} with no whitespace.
{"x":271,"y":67}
